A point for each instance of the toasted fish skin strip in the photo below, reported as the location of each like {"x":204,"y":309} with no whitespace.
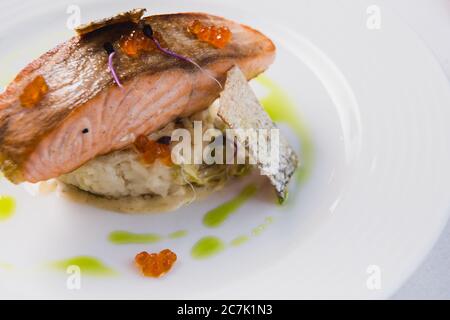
{"x":240,"y":109}
{"x":133,"y":15}
{"x":46,"y":141}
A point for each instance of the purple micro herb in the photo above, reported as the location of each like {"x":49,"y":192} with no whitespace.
{"x":148,"y":31}
{"x":113,"y":72}
{"x":110,"y":50}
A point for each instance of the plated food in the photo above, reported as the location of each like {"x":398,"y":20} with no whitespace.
{"x":99,"y":111}
{"x":357,"y":141}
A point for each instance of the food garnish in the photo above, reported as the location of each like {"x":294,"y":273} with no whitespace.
{"x":148,"y":31}
{"x":147,"y":40}
{"x":33,"y":92}
{"x":219,"y":37}
{"x":136,"y":43}
{"x":155,"y":265}
{"x":111,"y":53}
{"x":134,"y":15}
{"x":240,"y":108}
{"x":153,"y":150}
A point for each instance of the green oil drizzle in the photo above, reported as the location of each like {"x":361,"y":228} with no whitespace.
{"x":207,"y":247}
{"x":262,"y":227}
{"x":217,"y":216}
{"x":238,"y":241}
{"x":125,"y":237}
{"x":88,"y":265}
{"x":210,"y":246}
{"x":178,"y":234}
{"x":7,"y":207}
{"x":281,"y":109}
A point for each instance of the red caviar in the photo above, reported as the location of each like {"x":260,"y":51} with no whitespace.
{"x":155,"y":264}
{"x":152,"y":150}
{"x":34,"y":92}
{"x":216,"y":36}
{"x":137,"y":42}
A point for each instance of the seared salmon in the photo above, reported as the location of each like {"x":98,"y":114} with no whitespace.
{"x":85,"y":114}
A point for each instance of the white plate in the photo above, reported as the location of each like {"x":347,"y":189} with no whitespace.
{"x":375,"y":103}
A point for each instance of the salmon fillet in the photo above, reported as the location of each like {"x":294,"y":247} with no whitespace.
{"x":47,"y":140}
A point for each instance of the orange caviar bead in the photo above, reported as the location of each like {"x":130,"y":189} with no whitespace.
{"x":157,"y":151}
{"x":152,"y":150}
{"x":136,"y":43}
{"x":223,"y":37}
{"x":142,"y":143}
{"x":168,"y":258}
{"x":195,"y":27}
{"x":34,"y":92}
{"x":216,"y":36}
{"x":155,"y":264}
{"x":141,"y":258}
{"x":204,"y":34}
{"x":213,"y":33}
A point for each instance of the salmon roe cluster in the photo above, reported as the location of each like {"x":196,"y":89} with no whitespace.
{"x":34,"y":92}
{"x":153,"y":150}
{"x":216,"y":36}
{"x":155,"y":264}
{"x":136,"y":43}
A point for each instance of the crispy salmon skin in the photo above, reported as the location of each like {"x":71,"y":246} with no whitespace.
{"x":85,"y":114}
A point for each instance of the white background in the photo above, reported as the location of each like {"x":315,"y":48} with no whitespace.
{"x":430,"y":19}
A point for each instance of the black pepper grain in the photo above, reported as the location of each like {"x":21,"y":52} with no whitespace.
{"x":148,"y":31}
{"x":164,"y":140}
{"x":108,"y":47}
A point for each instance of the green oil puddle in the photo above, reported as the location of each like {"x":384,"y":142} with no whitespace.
{"x":7,"y":207}
{"x":178,"y":234}
{"x":207,"y":247}
{"x":211,"y":246}
{"x":88,"y":265}
{"x":281,"y":109}
{"x":125,"y":237}
{"x":219,"y":215}
{"x":6,"y":266}
{"x":238,"y":241}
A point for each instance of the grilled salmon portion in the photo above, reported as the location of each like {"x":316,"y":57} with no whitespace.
{"x":85,"y":114}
